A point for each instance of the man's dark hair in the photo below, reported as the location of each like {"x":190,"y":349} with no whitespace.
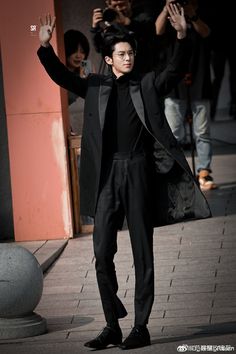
{"x":115,"y":34}
{"x":74,"y":38}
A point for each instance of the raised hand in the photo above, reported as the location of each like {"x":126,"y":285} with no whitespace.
{"x":46,"y":29}
{"x":97,"y":17}
{"x":177,"y":19}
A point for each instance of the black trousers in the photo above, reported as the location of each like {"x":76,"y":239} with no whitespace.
{"x":125,"y":191}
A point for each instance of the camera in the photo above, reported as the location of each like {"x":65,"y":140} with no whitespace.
{"x":109,"y":15}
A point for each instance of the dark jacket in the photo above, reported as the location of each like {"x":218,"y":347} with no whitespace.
{"x":176,"y":194}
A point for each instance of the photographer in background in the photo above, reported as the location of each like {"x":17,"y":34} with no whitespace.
{"x":199,"y":86}
{"x":137,"y":19}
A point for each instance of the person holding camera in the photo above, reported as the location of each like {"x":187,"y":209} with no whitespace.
{"x":131,"y":166}
{"x":195,"y":90}
{"x":139,"y":20}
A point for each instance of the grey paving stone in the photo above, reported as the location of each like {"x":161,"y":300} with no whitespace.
{"x":190,"y":312}
{"x":44,"y":305}
{"x":188,"y":274}
{"x":223,"y":310}
{"x":225,"y":286}
{"x":188,"y":261}
{"x":196,"y":269}
{"x":224,"y":302}
{"x":193,"y":281}
{"x":184,"y":305}
{"x":191,"y":297}
{"x":180,"y":321}
{"x":62,"y":289}
{"x":225,"y":318}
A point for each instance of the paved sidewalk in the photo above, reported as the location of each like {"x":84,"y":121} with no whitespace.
{"x":195,"y":272}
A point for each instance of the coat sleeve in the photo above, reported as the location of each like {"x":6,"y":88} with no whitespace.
{"x":175,"y":69}
{"x":59,"y":73}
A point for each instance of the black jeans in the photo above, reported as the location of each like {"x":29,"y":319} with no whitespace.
{"x":125,"y":191}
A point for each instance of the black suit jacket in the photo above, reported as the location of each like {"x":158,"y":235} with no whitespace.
{"x":177,"y":196}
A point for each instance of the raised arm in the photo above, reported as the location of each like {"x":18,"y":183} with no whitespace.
{"x":162,"y":19}
{"x":177,"y":66}
{"x":54,"y":67}
{"x":192,"y":14}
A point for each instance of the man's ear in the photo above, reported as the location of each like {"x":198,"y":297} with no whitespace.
{"x":108,"y":60}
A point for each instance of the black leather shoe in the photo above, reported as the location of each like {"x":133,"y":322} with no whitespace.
{"x":108,"y":336}
{"x":138,"y":337}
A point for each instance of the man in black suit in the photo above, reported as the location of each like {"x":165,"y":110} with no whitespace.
{"x":131,"y":166}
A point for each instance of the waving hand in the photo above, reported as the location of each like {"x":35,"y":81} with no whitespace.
{"x":46,"y":29}
{"x":177,"y":19}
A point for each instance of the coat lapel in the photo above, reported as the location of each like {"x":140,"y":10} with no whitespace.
{"x":104,"y":94}
{"x":137,"y":100}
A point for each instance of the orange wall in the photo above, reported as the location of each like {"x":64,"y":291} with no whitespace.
{"x":36,"y":130}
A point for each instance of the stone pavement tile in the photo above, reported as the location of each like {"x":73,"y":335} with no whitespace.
{"x":224,"y":310}
{"x":93,"y":295}
{"x":191,"y":289}
{"x":229,"y":244}
{"x":167,"y":254}
{"x":55,"y":312}
{"x":204,"y":239}
{"x":47,"y":305}
{"x":221,"y":287}
{"x":225,"y":318}
{"x":227,"y":263}
{"x":180,"y":331}
{"x":60,"y":297}
{"x":180,"y":321}
{"x":48,"y":337}
{"x":190,"y":312}
{"x":225,"y":294}
{"x":62,"y":289}
{"x":198,"y":281}
{"x":186,"y":261}
{"x":163,"y":269}
{"x":55,"y":320}
{"x":224,"y":302}
{"x":196,"y":269}
{"x":191,"y":297}
{"x":185,"y":333}
{"x":199,"y":245}
{"x":187,"y":274}
{"x":226,"y":270}
{"x":32,"y":246}
{"x":80,"y":268}
{"x":184,"y":305}
{"x":75,"y":260}
{"x":63,"y":275}
{"x":196,"y":253}
{"x":65,"y":282}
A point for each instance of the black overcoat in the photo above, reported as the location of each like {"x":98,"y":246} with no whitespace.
{"x":176,"y":195}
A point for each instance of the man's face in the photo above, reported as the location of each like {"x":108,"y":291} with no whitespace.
{"x":122,"y":60}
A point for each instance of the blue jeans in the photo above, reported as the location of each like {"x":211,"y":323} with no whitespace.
{"x":175,"y":111}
